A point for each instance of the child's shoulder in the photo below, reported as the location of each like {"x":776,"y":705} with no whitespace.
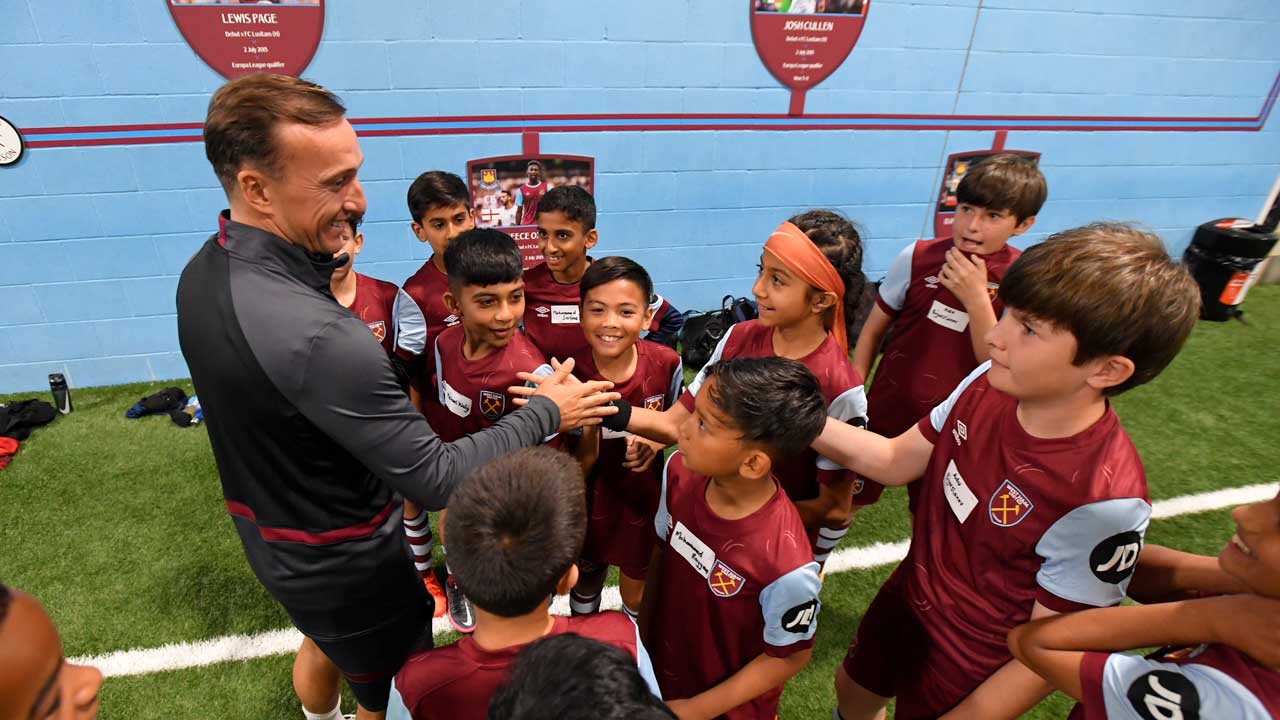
{"x":522,"y":351}
{"x":609,"y":626}
{"x":427,"y":276}
{"x":428,"y":671}
{"x":656,"y":353}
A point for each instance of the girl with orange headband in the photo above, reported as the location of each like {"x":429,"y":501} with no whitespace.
{"x":808,"y":288}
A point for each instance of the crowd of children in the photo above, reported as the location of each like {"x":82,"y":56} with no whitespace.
{"x":990,"y":402}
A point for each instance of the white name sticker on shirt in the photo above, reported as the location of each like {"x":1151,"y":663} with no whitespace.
{"x":457,"y":403}
{"x":607,"y":434}
{"x":949,"y":317}
{"x":689,"y":547}
{"x":564,"y":314}
{"x":959,"y":496}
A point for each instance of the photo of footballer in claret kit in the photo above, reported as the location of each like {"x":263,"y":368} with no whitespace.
{"x":505,"y":192}
{"x":811,"y":7}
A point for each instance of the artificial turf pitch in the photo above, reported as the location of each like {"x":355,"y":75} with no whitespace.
{"x":119,"y":527}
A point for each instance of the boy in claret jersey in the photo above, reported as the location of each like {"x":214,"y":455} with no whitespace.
{"x":1031,"y":499}
{"x":621,"y":500}
{"x":940,"y":297}
{"x":731,"y":605}
{"x":566,"y":231}
{"x":515,"y":528}
{"x":478,"y":359}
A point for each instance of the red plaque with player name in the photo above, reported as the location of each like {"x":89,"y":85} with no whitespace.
{"x":505,"y":192}
{"x":957,"y":165}
{"x":802,"y":42}
{"x":250,"y":36}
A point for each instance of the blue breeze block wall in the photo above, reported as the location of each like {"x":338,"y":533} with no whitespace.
{"x":92,"y":238}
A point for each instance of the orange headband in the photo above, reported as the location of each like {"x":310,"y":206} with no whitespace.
{"x":790,"y":245}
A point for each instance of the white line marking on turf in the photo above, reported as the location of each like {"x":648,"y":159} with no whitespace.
{"x":177,"y":656}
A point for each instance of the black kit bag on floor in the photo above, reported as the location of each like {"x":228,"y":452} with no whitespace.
{"x":17,"y":419}
{"x":703,"y":331}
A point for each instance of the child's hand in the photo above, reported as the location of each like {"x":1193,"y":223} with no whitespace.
{"x":966,"y":278}
{"x":1249,"y":623}
{"x":640,"y":453}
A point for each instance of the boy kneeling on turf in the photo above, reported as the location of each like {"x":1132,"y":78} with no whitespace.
{"x":1032,"y":499}
{"x":1223,"y":655}
{"x":515,"y":529}
{"x":731,"y":602}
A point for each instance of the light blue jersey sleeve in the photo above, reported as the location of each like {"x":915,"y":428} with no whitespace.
{"x":410,"y":324}
{"x":1090,"y":553}
{"x":396,"y":709}
{"x":1135,"y":688}
{"x":790,"y":606}
{"x":893,"y":289}
{"x":938,"y":415}
{"x":646,"y":667}
{"x":662,"y":518}
{"x":850,"y":407}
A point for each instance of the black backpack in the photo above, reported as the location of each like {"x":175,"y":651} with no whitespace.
{"x":703,"y":331}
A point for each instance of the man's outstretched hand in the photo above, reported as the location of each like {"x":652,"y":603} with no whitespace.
{"x":580,"y":403}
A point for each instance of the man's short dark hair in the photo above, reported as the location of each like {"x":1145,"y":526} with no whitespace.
{"x":515,"y":527}
{"x":436,"y":189}
{"x":1115,"y":288}
{"x":570,"y":677}
{"x":773,"y":401}
{"x":575,"y":202}
{"x":614,"y":267}
{"x":241,"y":125}
{"x":482,"y":256}
{"x":1004,"y":182}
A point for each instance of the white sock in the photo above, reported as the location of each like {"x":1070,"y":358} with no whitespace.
{"x":334,"y":714}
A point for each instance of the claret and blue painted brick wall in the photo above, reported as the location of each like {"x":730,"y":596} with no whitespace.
{"x":92,"y":238}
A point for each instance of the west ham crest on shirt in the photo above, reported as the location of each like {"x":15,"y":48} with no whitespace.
{"x":1009,"y":506}
{"x":654,"y":402}
{"x":723,"y":581}
{"x":379,"y":329}
{"x":492,"y":404}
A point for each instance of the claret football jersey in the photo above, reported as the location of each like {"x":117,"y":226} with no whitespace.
{"x":841,"y":388}
{"x":1006,"y":519}
{"x":1206,"y":681}
{"x":392,"y":317}
{"x":621,"y":502}
{"x":551,"y":314}
{"x":472,"y":395}
{"x":427,"y":288}
{"x":456,"y":682}
{"x":928,"y":350}
{"x":729,"y":590}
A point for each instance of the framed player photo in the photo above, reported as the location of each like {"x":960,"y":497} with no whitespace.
{"x":505,"y":192}
{"x":811,"y":7}
{"x":957,"y":165}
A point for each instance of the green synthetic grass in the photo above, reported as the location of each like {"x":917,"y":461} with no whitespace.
{"x":118,"y":525}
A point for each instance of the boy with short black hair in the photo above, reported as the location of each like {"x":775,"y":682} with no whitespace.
{"x":439,"y":210}
{"x":732,"y":598}
{"x":1032,"y":500}
{"x":566,"y":231}
{"x":571,"y":677}
{"x":620,"y":501}
{"x":516,"y":527}
{"x":478,"y":359}
{"x":36,"y":681}
{"x":939,"y":297}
